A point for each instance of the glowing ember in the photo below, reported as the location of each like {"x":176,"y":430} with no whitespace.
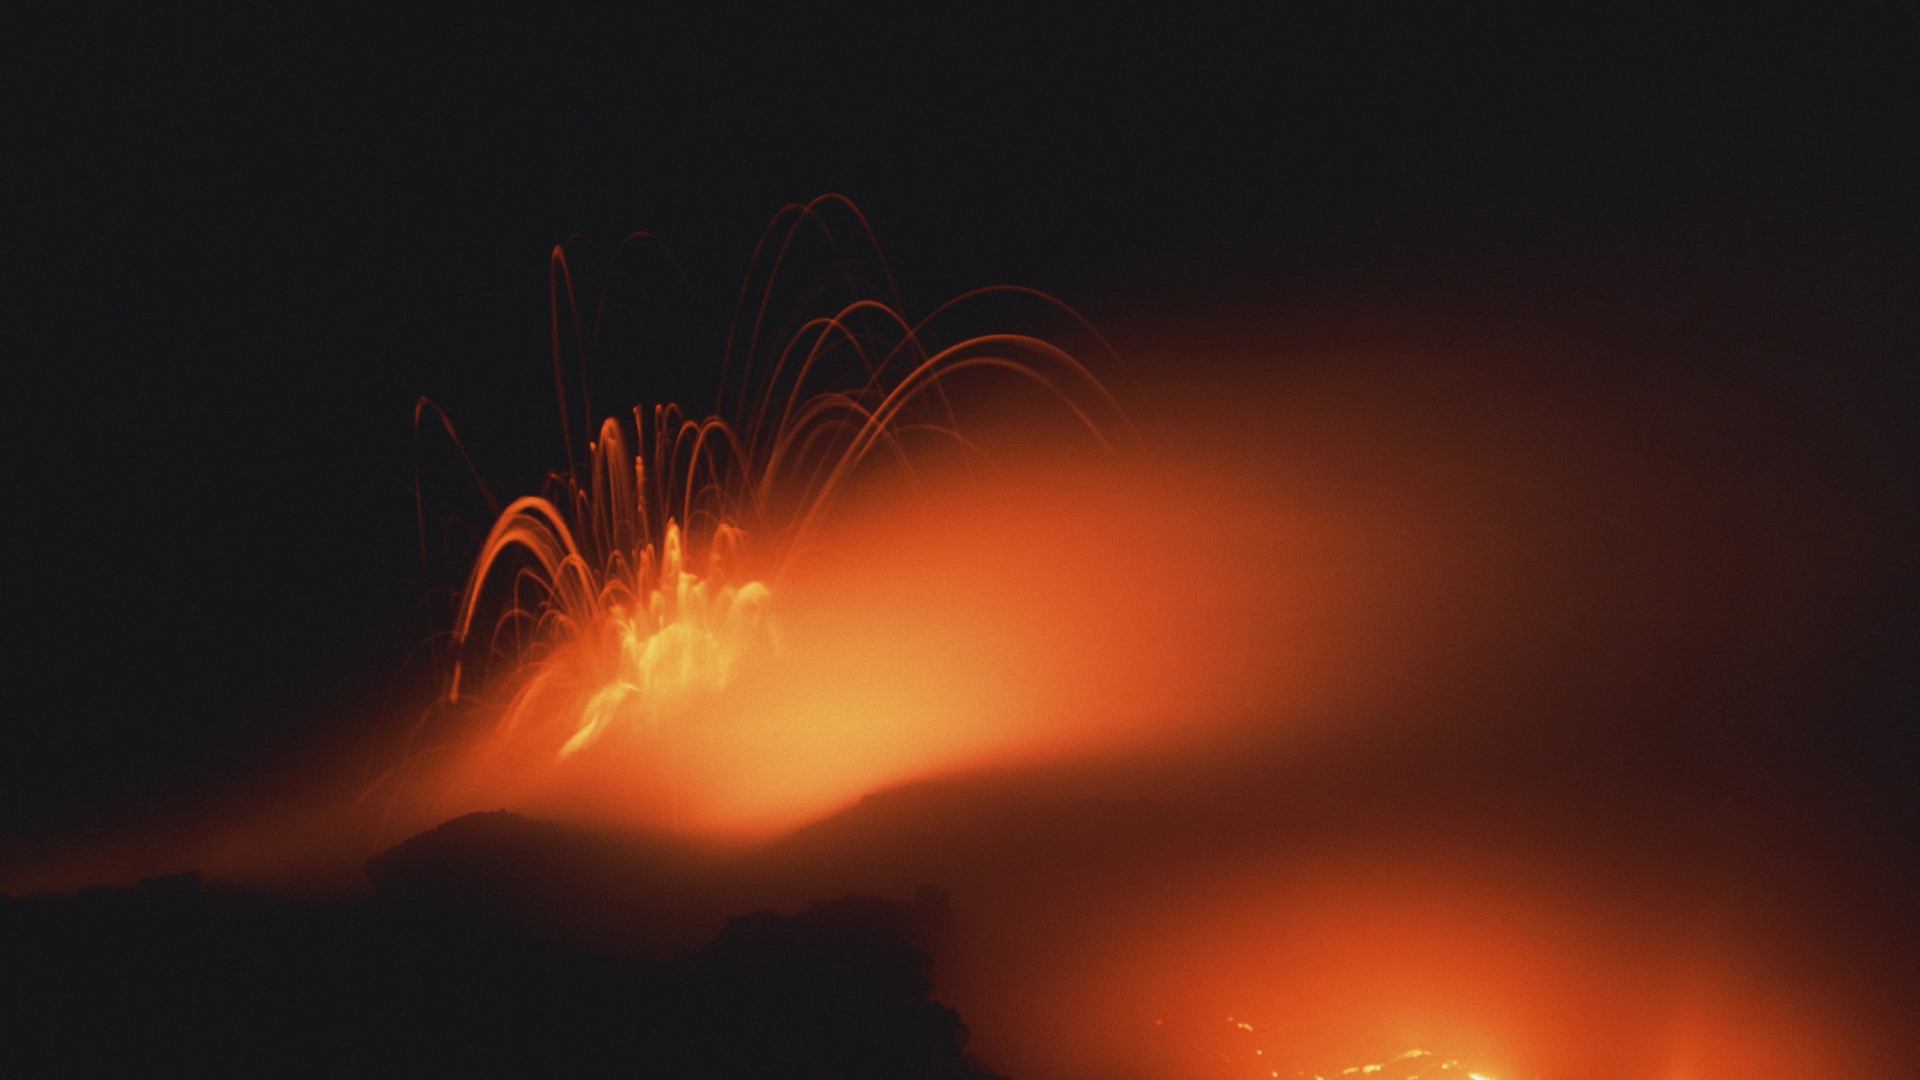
{"x":1414,"y":1064}
{"x":1262,"y":1051}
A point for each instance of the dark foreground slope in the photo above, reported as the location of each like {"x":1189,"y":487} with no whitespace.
{"x":176,"y":977}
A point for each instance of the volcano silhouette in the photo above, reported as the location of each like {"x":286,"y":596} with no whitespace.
{"x":454,"y":966}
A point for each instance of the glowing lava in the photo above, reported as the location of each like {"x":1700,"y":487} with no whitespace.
{"x":632,"y":620}
{"x":635,"y":631}
{"x":1259,"y":1052}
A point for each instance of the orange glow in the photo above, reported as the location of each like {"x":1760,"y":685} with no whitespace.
{"x":1328,"y":966}
{"x":1409,"y":690}
{"x":981,"y":628}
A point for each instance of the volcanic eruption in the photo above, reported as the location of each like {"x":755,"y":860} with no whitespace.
{"x":1357,"y":709}
{"x":636,"y":615}
{"x":1432,"y":598}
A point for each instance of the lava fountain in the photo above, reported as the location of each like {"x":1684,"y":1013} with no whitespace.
{"x":626,"y":637}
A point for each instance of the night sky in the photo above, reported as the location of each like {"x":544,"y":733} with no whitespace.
{"x":242,"y":248}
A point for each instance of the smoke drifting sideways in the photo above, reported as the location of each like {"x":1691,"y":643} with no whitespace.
{"x":1479,"y":700}
{"x":1559,"y":770}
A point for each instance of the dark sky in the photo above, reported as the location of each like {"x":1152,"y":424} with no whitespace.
{"x":241,"y":248}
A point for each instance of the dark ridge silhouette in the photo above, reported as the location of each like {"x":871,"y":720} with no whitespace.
{"x":624,"y":893}
{"x":177,"y":977}
{"x":650,"y":898}
{"x":837,"y":990}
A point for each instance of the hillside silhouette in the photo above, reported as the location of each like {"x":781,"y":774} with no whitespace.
{"x":176,"y":976}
